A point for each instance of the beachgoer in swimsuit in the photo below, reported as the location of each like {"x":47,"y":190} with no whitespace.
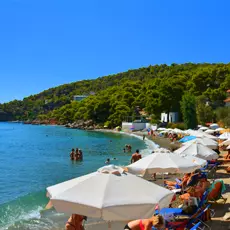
{"x":75,"y":222}
{"x":136,"y":156}
{"x":80,"y":155}
{"x":179,"y":184}
{"x":72,"y":155}
{"x":129,"y":148}
{"x":77,"y":154}
{"x":146,"y":224}
{"x":107,"y":161}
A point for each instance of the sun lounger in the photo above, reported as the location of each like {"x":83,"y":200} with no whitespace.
{"x":196,"y":226}
{"x":179,"y":211}
{"x":216,"y":191}
{"x":190,"y":222}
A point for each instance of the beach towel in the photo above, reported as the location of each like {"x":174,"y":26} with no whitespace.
{"x":216,"y":190}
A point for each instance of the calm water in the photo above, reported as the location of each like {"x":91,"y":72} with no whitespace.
{"x":35,"y":157}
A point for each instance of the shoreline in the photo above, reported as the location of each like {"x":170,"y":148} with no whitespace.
{"x":151,"y":145}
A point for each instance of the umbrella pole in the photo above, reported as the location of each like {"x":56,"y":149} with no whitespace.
{"x":109,"y":225}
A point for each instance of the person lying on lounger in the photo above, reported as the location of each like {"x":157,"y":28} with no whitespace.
{"x":178,"y":183}
{"x":146,"y":224}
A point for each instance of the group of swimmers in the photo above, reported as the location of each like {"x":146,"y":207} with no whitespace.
{"x":127,"y":148}
{"x":76,"y":155}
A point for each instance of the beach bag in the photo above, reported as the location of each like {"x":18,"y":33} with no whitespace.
{"x":189,"y":210}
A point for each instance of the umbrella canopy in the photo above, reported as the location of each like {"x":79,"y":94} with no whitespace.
{"x":162,"y":162}
{"x":161,"y":129}
{"x":209,"y":131}
{"x":227,"y":142}
{"x":176,"y":130}
{"x":203,"y":128}
{"x":225,"y":136}
{"x":110,"y":194}
{"x":196,"y":160}
{"x":200,"y":134}
{"x":214,"y":126}
{"x":204,"y":141}
{"x":198,"y":150}
{"x":187,"y":138}
{"x":219,"y":129}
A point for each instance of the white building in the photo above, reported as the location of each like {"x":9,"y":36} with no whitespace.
{"x":173,"y":117}
{"x":136,"y":126}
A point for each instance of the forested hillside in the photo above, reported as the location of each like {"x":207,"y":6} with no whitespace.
{"x":155,"y":88}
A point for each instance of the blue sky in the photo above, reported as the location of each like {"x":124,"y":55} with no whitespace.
{"x":45,"y":43}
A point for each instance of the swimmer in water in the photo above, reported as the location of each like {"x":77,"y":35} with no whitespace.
{"x":107,"y":161}
{"x":72,"y":154}
{"x":80,"y":155}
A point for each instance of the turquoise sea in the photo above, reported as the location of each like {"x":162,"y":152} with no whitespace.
{"x":35,"y":157}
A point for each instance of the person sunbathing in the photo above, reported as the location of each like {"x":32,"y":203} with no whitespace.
{"x":179,"y":183}
{"x":196,"y":191}
{"x":146,"y":224}
{"x":227,"y":157}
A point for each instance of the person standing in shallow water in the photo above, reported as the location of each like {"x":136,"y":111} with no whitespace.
{"x":136,"y":156}
{"x":80,"y":155}
{"x":77,"y":155}
{"x":143,"y":137}
{"x":72,"y":155}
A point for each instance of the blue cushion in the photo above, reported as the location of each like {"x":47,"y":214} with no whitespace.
{"x":175,"y":211}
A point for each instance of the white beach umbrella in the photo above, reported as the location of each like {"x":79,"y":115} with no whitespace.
{"x":225,"y":136}
{"x":198,"y":161}
{"x":219,"y":129}
{"x":161,"y":129}
{"x":200,"y":134}
{"x":214,"y":126}
{"x":198,"y":150}
{"x":203,"y":128}
{"x":227,"y":142}
{"x":212,"y":144}
{"x":178,"y":130}
{"x":110,"y":194}
{"x":209,"y":131}
{"x":162,"y":162}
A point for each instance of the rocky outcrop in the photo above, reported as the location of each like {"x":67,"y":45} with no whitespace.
{"x":81,"y":124}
